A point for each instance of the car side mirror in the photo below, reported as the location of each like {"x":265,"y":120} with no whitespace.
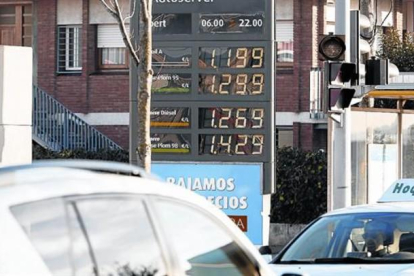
{"x":265,"y":250}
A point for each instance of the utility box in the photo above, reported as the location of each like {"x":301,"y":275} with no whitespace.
{"x":16,"y":66}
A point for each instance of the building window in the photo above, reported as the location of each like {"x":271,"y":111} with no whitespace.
{"x":284,"y":33}
{"x":285,"y":52}
{"x":284,"y":137}
{"x":16,"y":25}
{"x":113,"y":58}
{"x":111,"y":48}
{"x":69,"y":48}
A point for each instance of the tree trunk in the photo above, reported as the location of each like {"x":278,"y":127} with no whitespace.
{"x":144,"y":85}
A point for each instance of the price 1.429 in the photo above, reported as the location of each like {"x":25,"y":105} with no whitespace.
{"x":231,"y":144}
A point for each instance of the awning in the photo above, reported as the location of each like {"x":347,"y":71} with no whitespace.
{"x":391,"y":94}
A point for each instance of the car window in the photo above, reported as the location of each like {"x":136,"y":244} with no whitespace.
{"x":203,"y":247}
{"x":45,"y":223}
{"x":121,"y":236}
{"x":372,"y":237}
{"x":106,"y":236}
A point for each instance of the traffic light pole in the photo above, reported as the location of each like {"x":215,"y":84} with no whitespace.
{"x":339,"y":129}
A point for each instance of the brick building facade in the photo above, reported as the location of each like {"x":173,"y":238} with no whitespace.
{"x":99,"y":93}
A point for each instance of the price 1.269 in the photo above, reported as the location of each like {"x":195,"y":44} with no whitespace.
{"x":231,"y":118}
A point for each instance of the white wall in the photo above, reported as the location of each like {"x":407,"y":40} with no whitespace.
{"x":99,"y":15}
{"x":284,"y":9}
{"x":15,"y":105}
{"x":69,"y":12}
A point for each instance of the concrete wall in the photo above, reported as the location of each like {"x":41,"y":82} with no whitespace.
{"x":15,"y":105}
{"x":281,"y":234}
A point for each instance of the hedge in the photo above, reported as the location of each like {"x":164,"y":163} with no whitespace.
{"x":398,"y":48}
{"x":40,"y":153}
{"x":301,"y":185}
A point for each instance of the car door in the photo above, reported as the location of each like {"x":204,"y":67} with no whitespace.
{"x":100,"y":235}
{"x":202,"y":245}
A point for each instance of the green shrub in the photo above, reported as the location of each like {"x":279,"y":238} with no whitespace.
{"x":301,"y":186}
{"x":398,"y":49}
{"x":109,"y":155}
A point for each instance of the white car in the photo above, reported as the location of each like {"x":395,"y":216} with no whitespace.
{"x":366,"y":240}
{"x":94,"y":218}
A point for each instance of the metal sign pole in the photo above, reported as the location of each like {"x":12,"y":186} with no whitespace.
{"x":133,"y":87}
{"x":341,"y":133}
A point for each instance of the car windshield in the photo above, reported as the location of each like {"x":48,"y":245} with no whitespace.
{"x":355,"y":238}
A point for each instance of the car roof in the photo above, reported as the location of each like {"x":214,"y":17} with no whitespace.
{"x":392,"y":207}
{"x":91,"y":165}
{"x":42,"y":180}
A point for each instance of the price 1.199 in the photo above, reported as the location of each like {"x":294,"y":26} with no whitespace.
{"x":232,"y":57}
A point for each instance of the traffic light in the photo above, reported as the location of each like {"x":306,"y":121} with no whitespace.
{"x":332,"y":47}
{"x":338,"y":74}
{"x":360,"y":34}
{"x":376,"y":71}
{"x":347,"y":73}
{"x":340,"y":98}
{"x":344,"y":75}
{"x":371,"y":71}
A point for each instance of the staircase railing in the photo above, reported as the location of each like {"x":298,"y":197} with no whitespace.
{"x":57,"y":128}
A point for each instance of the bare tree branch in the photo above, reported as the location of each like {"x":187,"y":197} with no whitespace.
{"x":116,"y":12}
{"x":132,"y":13}
{"x":108,"y":8}
{"x":140,"y":146}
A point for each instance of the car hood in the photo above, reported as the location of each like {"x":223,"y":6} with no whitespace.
{"x":345,"y":269}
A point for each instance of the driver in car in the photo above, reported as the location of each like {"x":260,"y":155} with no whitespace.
{"x":377,"y":238}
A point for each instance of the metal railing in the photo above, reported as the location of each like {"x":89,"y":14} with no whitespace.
{"x":316,"y":94}
{"x":57,"y":128}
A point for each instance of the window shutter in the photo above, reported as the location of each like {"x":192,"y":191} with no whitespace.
{"x":284,"y":31}
{"x":109,"y":36}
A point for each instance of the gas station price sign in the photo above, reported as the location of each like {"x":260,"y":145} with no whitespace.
{"x":231,"y":57}
{"x":231,"y":118}
{"x":213,"y":87}
{"x":231,"y":23}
